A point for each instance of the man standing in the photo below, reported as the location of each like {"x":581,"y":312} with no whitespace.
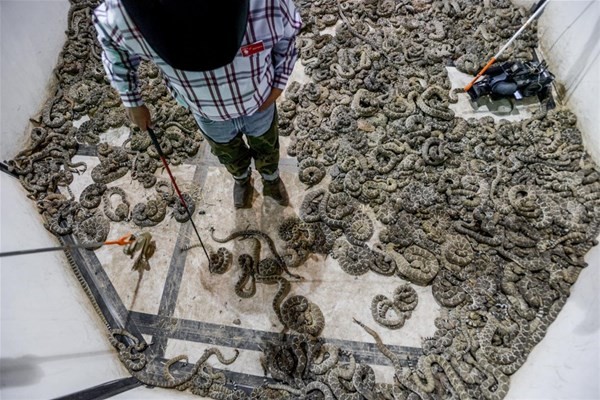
{"x":227,"y":61}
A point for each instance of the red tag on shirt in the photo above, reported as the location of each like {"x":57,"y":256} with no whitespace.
{"x":252,"y":48}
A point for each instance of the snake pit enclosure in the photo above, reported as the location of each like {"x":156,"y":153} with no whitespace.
{"x":450,"y":243}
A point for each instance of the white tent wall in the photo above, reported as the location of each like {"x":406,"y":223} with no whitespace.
{"x":51,"y":341}
{"x":567,"y":362}
{"x":569,"y":32}
{"x":53,"y":344}
{"x":32,"y":34}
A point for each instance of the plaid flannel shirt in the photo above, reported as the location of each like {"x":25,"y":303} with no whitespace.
{"x":234,"y":90}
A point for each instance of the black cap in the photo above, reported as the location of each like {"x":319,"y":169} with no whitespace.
{"x":191,"y":35}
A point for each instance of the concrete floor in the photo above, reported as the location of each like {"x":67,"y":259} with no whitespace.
{"x":209,"y":298}
{"x":564,"y":365}
{"x":181,"y":302}
{"x":52,"y":342}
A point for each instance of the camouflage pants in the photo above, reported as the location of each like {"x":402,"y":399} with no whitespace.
{"x":237,"y":154}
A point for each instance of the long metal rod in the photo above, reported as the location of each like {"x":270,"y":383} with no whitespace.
{"x":122,"y":241}
{"x":181,"y":199}
{"x":512,"y":39}
{"x":46,"y":249}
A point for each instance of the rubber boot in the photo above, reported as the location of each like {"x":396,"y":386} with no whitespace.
{"x":242,"y":193}
{"x":275,"y":189}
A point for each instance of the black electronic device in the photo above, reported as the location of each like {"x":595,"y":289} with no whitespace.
{"x":517,"y":79}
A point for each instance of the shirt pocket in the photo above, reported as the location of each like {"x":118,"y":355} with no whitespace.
{"x":251,"y":70}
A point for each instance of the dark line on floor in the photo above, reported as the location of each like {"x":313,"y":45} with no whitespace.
{"x":170,"y":293}
{"x":176,"y":267}
{"x":236,"y":380}
{"x":252,"y":339}
{"x":104,"y":391}
{"x":246,"y":382}
{"x":172,"y":284}
{"x":5,"y":168}
{"x":101,"y":287}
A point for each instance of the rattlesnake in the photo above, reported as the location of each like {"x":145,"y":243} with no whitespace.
{"x":402,"y":303}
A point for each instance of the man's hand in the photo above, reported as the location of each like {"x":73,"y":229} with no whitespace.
{"x":275,"y":93}
{"x":140,"y":116}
